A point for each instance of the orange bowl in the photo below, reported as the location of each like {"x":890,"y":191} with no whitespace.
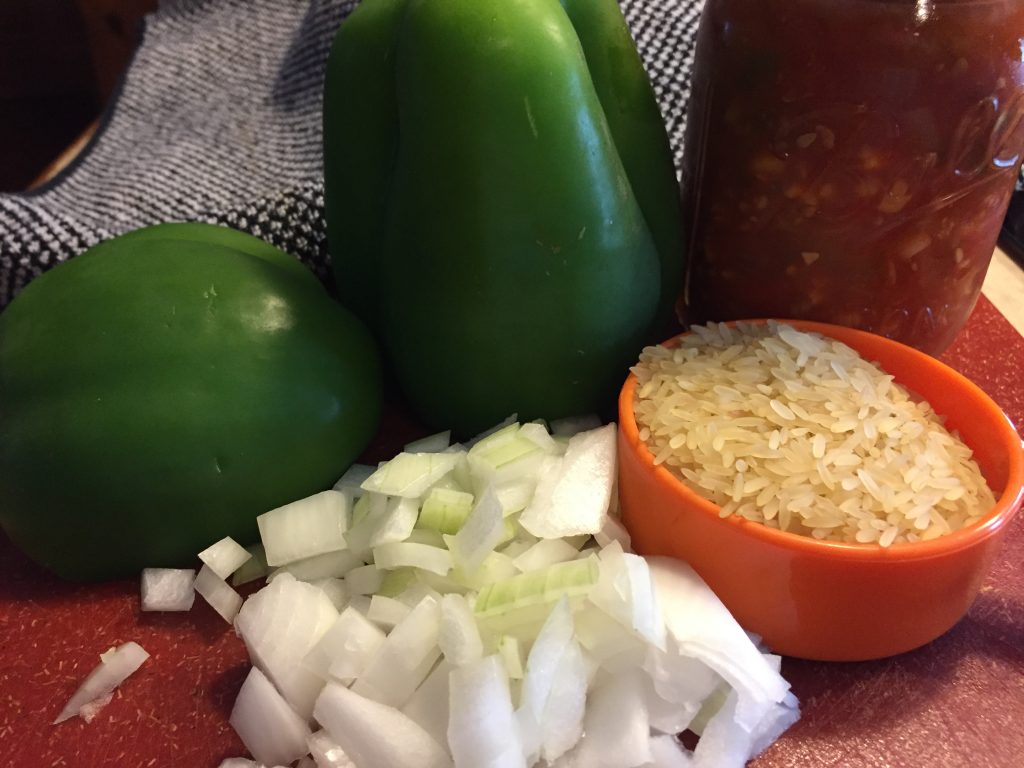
{"x":826,"y":600}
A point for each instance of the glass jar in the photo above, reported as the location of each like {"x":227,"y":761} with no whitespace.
{"x":851,"y":161}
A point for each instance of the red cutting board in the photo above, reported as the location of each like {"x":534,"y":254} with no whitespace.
{"x":957,"y":702}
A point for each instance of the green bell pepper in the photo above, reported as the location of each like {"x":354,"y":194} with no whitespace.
{"x":163,"y":389}
{"x":502,"y":206}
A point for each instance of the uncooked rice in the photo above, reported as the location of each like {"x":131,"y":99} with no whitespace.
{"x":798,"y":432}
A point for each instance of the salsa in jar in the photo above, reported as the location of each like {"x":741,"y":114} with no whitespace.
{"x":851,"y":161}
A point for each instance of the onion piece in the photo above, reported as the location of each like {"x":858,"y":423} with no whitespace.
{"x":376,"y":735}
{"x":481,"y":533}
{"x":329,"y":565}
{"x":396,"y":523}
{"x":482,"y":731}
{"x":279,"y":625}
{"x":574,"y":492}
{"x":520,"y":605}
{"x":345,"y":649}
{"x":253,"y":568}
{"x":364,"y":580}
{"x":218,"y":593}
{"x":726,"y":743}
{"x":403,"y":553}
{"x":116,"y":664}
{"x":225,"y":557}
{"x":428,"y":705}
{"x":326,"y":752}
{"x":335,"y":589}
{"x":304,"y":528}
{"x":270,"y":729}
{"x":386,"y":611}
{"x":543,"y":553}
{"x":410,"y":474}
{"x":616,"y":724}
{"x":445,"y":510}
{"x":542,"y":664}
{"x":614,"y":530}
{"x":459,"y":636}
{"x":167,"y":589}
{"x":351,"y":482}
{"x":704,"y":629}
{"x":435,"y":443}
{"x":511,"y":652}
{"x":538,"y":434}
{"x":503,"y":457}
{"x":404,"y":659}
{"x":626,"y":591}
{"x":511,"y":420}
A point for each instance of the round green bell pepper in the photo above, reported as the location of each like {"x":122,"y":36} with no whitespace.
{"x":164,"y":388}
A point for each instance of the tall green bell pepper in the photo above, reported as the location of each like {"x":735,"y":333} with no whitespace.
{"x":502,"y":205}
{"x":163,"y":389}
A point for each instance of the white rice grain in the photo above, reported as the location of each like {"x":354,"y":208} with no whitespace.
{"x":798,"y":432}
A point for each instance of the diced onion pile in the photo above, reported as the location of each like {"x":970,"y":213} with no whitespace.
{"x":477,"y":605}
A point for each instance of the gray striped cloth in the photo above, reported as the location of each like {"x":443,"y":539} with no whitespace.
{"x":218,"y":120}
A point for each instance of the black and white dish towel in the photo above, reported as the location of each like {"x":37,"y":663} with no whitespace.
{"x":218,"y":120}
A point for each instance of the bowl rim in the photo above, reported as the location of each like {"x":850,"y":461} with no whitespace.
{"x":1006,"y":506}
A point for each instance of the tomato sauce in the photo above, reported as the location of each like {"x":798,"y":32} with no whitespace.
{"x":851,"y":161}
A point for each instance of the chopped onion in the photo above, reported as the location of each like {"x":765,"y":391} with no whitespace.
{"x":279,"y":625}
{"x":503,"y":457}
{"x":410,"y":474}
{"x":327,"y":753}
{"x":225,"y":557}
{"x":397,"y":522}
{"x":574,"y":492}
{"x":704,"y":629}
{"x":218,"y":593}
{"x":167,"y":589}
{"x":511,"y":652}
{"x":351,"y":482}
{"x":253,"y":568}
{"x":555,"y":686}
{"x":116,"y":664}
{"x":335,"y":589}
{"x":404,"y":659}
{"x":445,"y":510}
{"x":364,"y":580}
{"x":510,"y":624}
{"x":376,"y":735}
{"x":544,"y":553}
{"x":402,"y":553}
{"x":329,"y":565}
{"x":459,"y":636}
{"x":626,"y":591}
{"x":617,"y":726}
{"x":346,"y":648}
{"x":270,"y":729}
{"x":481,"y":533}
{"x":304,"y":528}
{"x":434,"y":443}
{"x":386,"y":612}
{"x":482,"y":729}
{"x":427,"y":706}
